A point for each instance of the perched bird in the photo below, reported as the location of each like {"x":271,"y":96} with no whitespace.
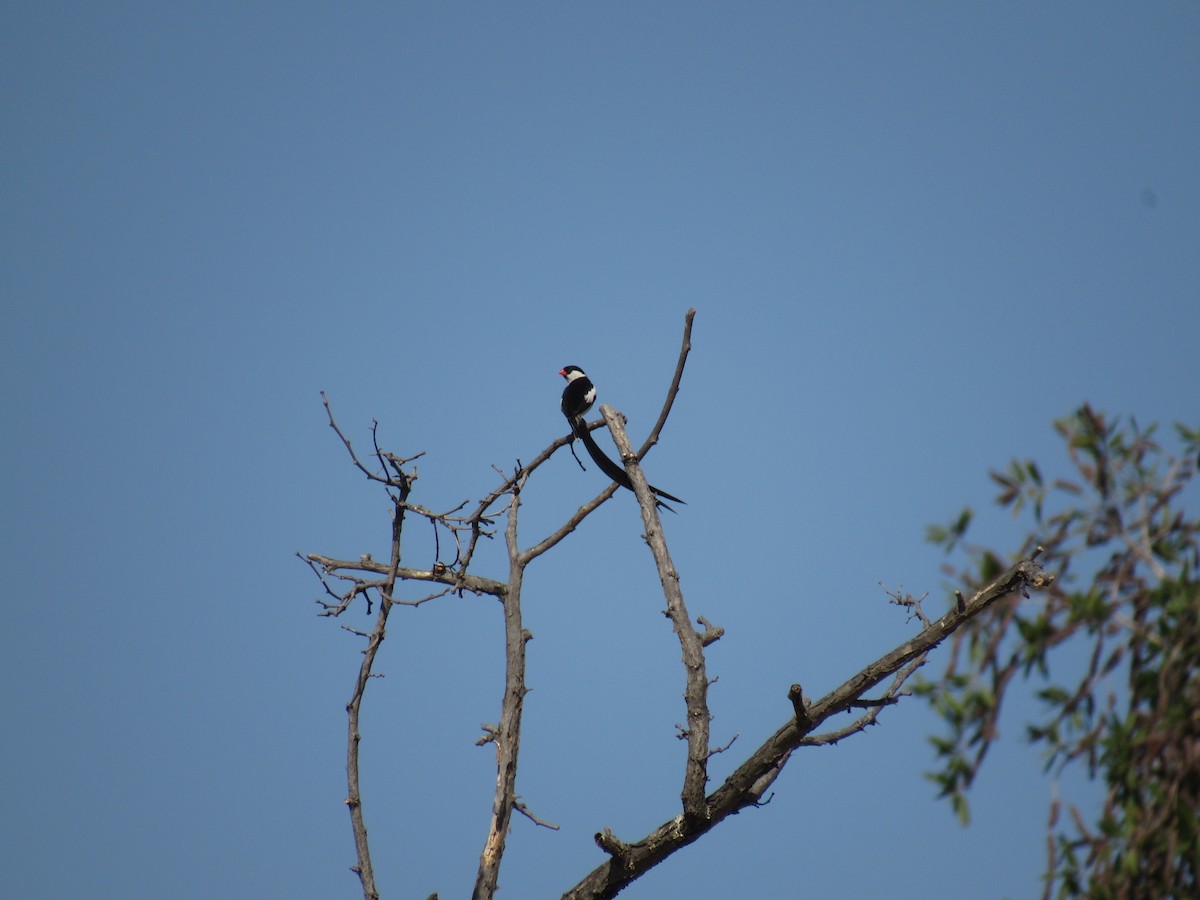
{"x":578,"y":397}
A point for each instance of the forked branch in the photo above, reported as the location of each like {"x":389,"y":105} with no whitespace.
{"x":745,"y":786}
{"x":507,"y":734}
{"x":347,"y":580}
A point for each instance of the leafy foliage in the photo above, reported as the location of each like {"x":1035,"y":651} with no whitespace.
{"x":1127,"y":598}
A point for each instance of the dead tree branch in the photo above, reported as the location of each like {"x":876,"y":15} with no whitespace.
{"x":696,"y":692}
{"x":403,"y":486}
{"x":507,"y":735}
{"x":346,"y":580}
{"x":673,"y":391}
{"x":745,"y":786}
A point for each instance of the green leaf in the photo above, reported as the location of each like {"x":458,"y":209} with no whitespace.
{"x":1054,"y":695}
{"x":961,"y":809}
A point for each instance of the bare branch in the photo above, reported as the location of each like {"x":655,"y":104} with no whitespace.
{"x":341,"y":601}
{"x":482,"y":517}
{"x":673,"y":390}
{"x":746,"y":785}
{"x":524,"y":810}
{"x":441,"y":575}
{"x":711,"y":634}
{"x":400,"y":478}
{"x":908,"y":601}
{"x":725,"y":746}
{"x":364,"y":868}
{"x":796,"y":695}
{"x":696,"y":693}
{"x":607,"y":841}
{"x":569,"y":526}
{"x":507,"y":735}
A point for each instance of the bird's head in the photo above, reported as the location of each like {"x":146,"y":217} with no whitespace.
{"x":571,"y":372}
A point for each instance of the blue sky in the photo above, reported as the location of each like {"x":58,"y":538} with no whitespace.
{"x":914,"y":235}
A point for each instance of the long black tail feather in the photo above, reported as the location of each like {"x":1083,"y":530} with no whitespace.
{"x":611,"y":469}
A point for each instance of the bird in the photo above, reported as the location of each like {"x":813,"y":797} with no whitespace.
{"x":577,"y":398}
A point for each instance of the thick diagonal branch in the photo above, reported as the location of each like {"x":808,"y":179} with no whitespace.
{"x":696,"y":692}
{"x":628,"y":861}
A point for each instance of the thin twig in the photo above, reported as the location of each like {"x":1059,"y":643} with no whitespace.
{"x":524,"y":810}
{"x":673,"y":390}
{"x":385,"y":479}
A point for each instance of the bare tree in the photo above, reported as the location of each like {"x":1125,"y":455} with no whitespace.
{"x":367,"y":580}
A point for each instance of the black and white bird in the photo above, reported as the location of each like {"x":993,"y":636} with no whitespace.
{"x":577,"y":398}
